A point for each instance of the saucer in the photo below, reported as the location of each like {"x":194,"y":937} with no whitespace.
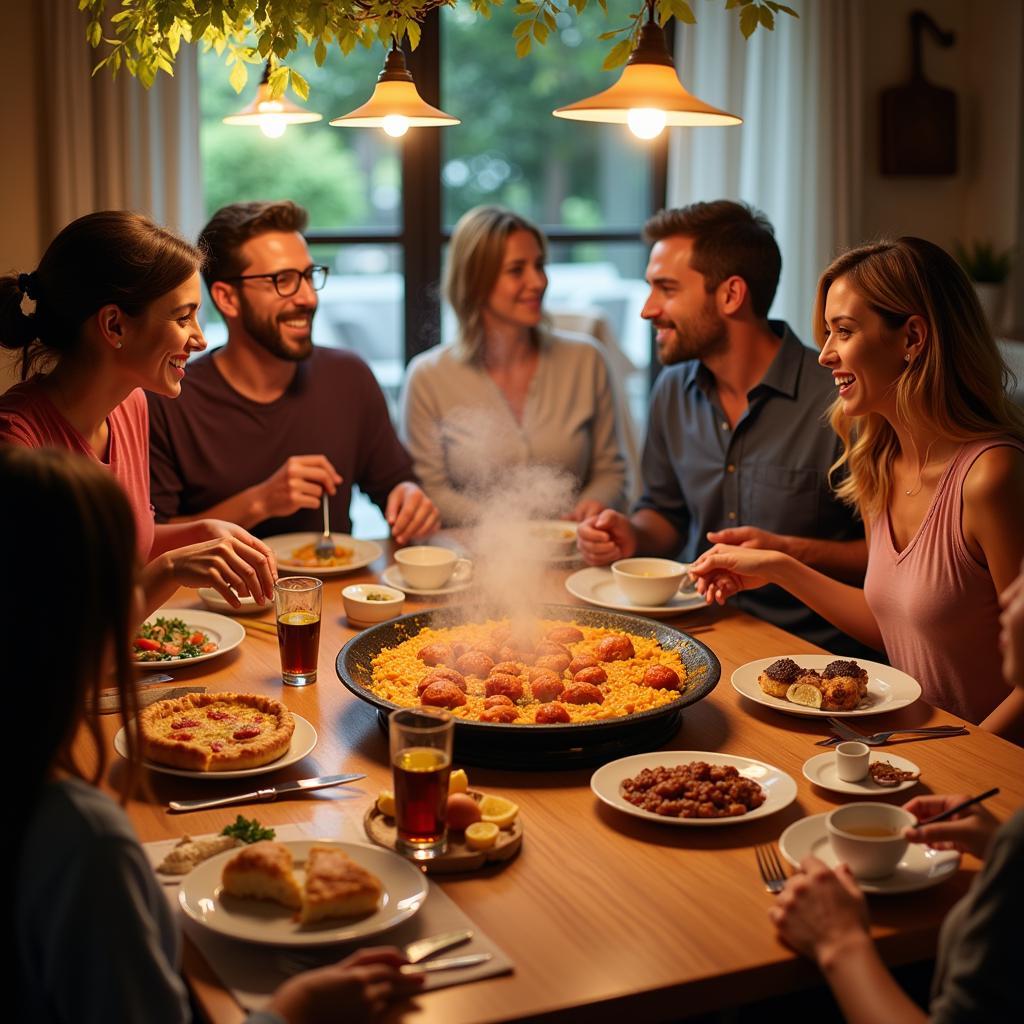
{"x":821,"y":770}
{"x":392,"y":576}
{"x":921,"y":868}
{"x":598,"y":586}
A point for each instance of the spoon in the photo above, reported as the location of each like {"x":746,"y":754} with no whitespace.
{"x":324,"y":547}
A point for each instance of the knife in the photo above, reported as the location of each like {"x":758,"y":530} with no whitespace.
{"x":323,"y":782}
{"x":423,"y":948}
{"x":450,"y":963}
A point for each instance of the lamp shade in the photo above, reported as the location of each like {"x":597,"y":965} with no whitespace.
{"x":263,"y":110}
{"x":648,"y":84}
{"x":395,"y":100}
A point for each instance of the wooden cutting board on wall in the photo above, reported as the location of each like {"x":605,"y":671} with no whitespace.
{"x":919,"y":120}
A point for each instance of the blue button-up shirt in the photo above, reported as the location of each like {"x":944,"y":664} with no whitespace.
{"x":769,"y":471}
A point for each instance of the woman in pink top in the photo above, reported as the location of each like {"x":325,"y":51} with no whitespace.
{"x":111,"y":310}
{"x":935,"y":459}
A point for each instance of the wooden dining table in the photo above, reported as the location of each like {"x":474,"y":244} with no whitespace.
{"x":604,"y":915}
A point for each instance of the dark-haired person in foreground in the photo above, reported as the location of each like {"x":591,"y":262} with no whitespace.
{"x":95,"y":939}
{"x":270,"y":422}
{"x":737,"y":447}
{"x":823,"y":913}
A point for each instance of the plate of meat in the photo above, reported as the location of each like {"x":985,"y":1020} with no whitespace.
{"x":693,"y":787}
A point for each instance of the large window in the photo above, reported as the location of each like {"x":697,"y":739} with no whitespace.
{"x":381,"y":210}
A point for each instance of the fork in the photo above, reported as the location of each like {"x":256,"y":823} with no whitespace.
{"x":324,"y":547}
{"x":878,"y":738}
{"x":773,"y":874}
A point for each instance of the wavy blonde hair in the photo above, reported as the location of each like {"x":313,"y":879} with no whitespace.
{"x":958,"y":386}
{"x":475,"y":255}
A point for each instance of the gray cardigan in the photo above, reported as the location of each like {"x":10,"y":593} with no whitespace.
{"x":463,"y":436}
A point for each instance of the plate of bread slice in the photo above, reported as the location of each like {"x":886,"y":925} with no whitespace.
{"x":302,"y":892}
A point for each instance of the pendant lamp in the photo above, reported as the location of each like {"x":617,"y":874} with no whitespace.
{"x":648,"y":94}
{"x":269,"y":115}
{"x":395,"y":105}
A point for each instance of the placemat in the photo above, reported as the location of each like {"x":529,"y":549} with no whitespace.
{"x":253,"y":972}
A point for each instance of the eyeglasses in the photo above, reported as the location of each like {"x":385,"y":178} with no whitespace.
{"x":287,"y":282}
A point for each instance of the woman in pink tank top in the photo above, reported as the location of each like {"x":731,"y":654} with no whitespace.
{"x":110,"y":310}
{"x":934,"y":453}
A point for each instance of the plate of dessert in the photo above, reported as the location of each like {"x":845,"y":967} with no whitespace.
{"x":302,"y":892}
{"x":822,"y":685}
{"x":693,"y":787}
{"x":295,"y":553}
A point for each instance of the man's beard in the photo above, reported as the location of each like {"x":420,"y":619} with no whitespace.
{"x":703,"y":337}
{"x":267,"y":334}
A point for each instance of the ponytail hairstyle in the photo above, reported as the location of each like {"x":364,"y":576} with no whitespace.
{"x":108,"y":258}
{"x":958,"y":387}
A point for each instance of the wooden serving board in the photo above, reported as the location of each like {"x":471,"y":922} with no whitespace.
{"x":458,"y":857}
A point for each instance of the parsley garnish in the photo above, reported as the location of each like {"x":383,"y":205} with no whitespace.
{"x":248,"y":830}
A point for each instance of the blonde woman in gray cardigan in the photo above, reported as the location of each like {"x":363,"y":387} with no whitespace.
{"x":509,"y":395}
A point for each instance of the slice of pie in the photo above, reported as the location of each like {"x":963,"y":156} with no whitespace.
{"x":336,"y":886}
{"x":263,"y":871}
{"x":216,"y":732}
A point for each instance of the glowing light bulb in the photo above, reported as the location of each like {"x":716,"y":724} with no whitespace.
{"x":646,"y":122}
{"x":395,"y":125}
{"x":272,"y":127}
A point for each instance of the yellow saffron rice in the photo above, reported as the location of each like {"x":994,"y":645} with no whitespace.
{"x":397,"y":671}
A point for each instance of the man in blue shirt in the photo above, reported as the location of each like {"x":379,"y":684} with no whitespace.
{"x":738,"y":446}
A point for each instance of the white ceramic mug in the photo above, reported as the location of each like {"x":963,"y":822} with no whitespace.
{"x":649,"y":581}
{"x":869,"y":837}
{"x":852,"y":760}
{"x":429,"y":568}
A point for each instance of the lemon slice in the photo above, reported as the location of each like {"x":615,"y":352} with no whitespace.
{"x":457,"y":781}
{"x":804,"y":693}
{"x":481,"y":835}
{"x":498,"y":810}
{"x":386,"y":803}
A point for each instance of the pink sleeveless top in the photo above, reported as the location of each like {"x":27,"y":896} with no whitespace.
{"x":29,"y":418}
{"x":936,"y":606}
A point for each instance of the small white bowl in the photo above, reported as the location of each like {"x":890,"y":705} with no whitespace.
{"x":869,"y":837}
{"x":361,"y":610}
{"x":649,"y":581}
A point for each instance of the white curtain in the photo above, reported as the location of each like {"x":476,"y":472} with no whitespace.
{"x":110,"y":144}
{"x":797,"y":156}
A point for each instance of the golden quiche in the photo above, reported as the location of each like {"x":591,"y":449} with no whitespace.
{"x":216,"y":732}
{"x":336,"y":886}
{"x":263,"y":871}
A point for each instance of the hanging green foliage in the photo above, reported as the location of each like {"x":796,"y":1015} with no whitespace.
{"x":143,"y":36}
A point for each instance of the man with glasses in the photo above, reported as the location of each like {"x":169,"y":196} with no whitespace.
{"x":269,"y":422}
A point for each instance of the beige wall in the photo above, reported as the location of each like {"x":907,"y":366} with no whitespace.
{"x":983,"y":200}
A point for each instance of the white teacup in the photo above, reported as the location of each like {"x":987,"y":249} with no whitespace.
{"x":649,"y":581}
{"x":430,"y":568}
{"x":869,"y":837}
{"x":852,"y":760}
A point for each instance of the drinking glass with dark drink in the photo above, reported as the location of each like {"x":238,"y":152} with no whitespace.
{"x":421,"y":761}
{"x":297,"y":602}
